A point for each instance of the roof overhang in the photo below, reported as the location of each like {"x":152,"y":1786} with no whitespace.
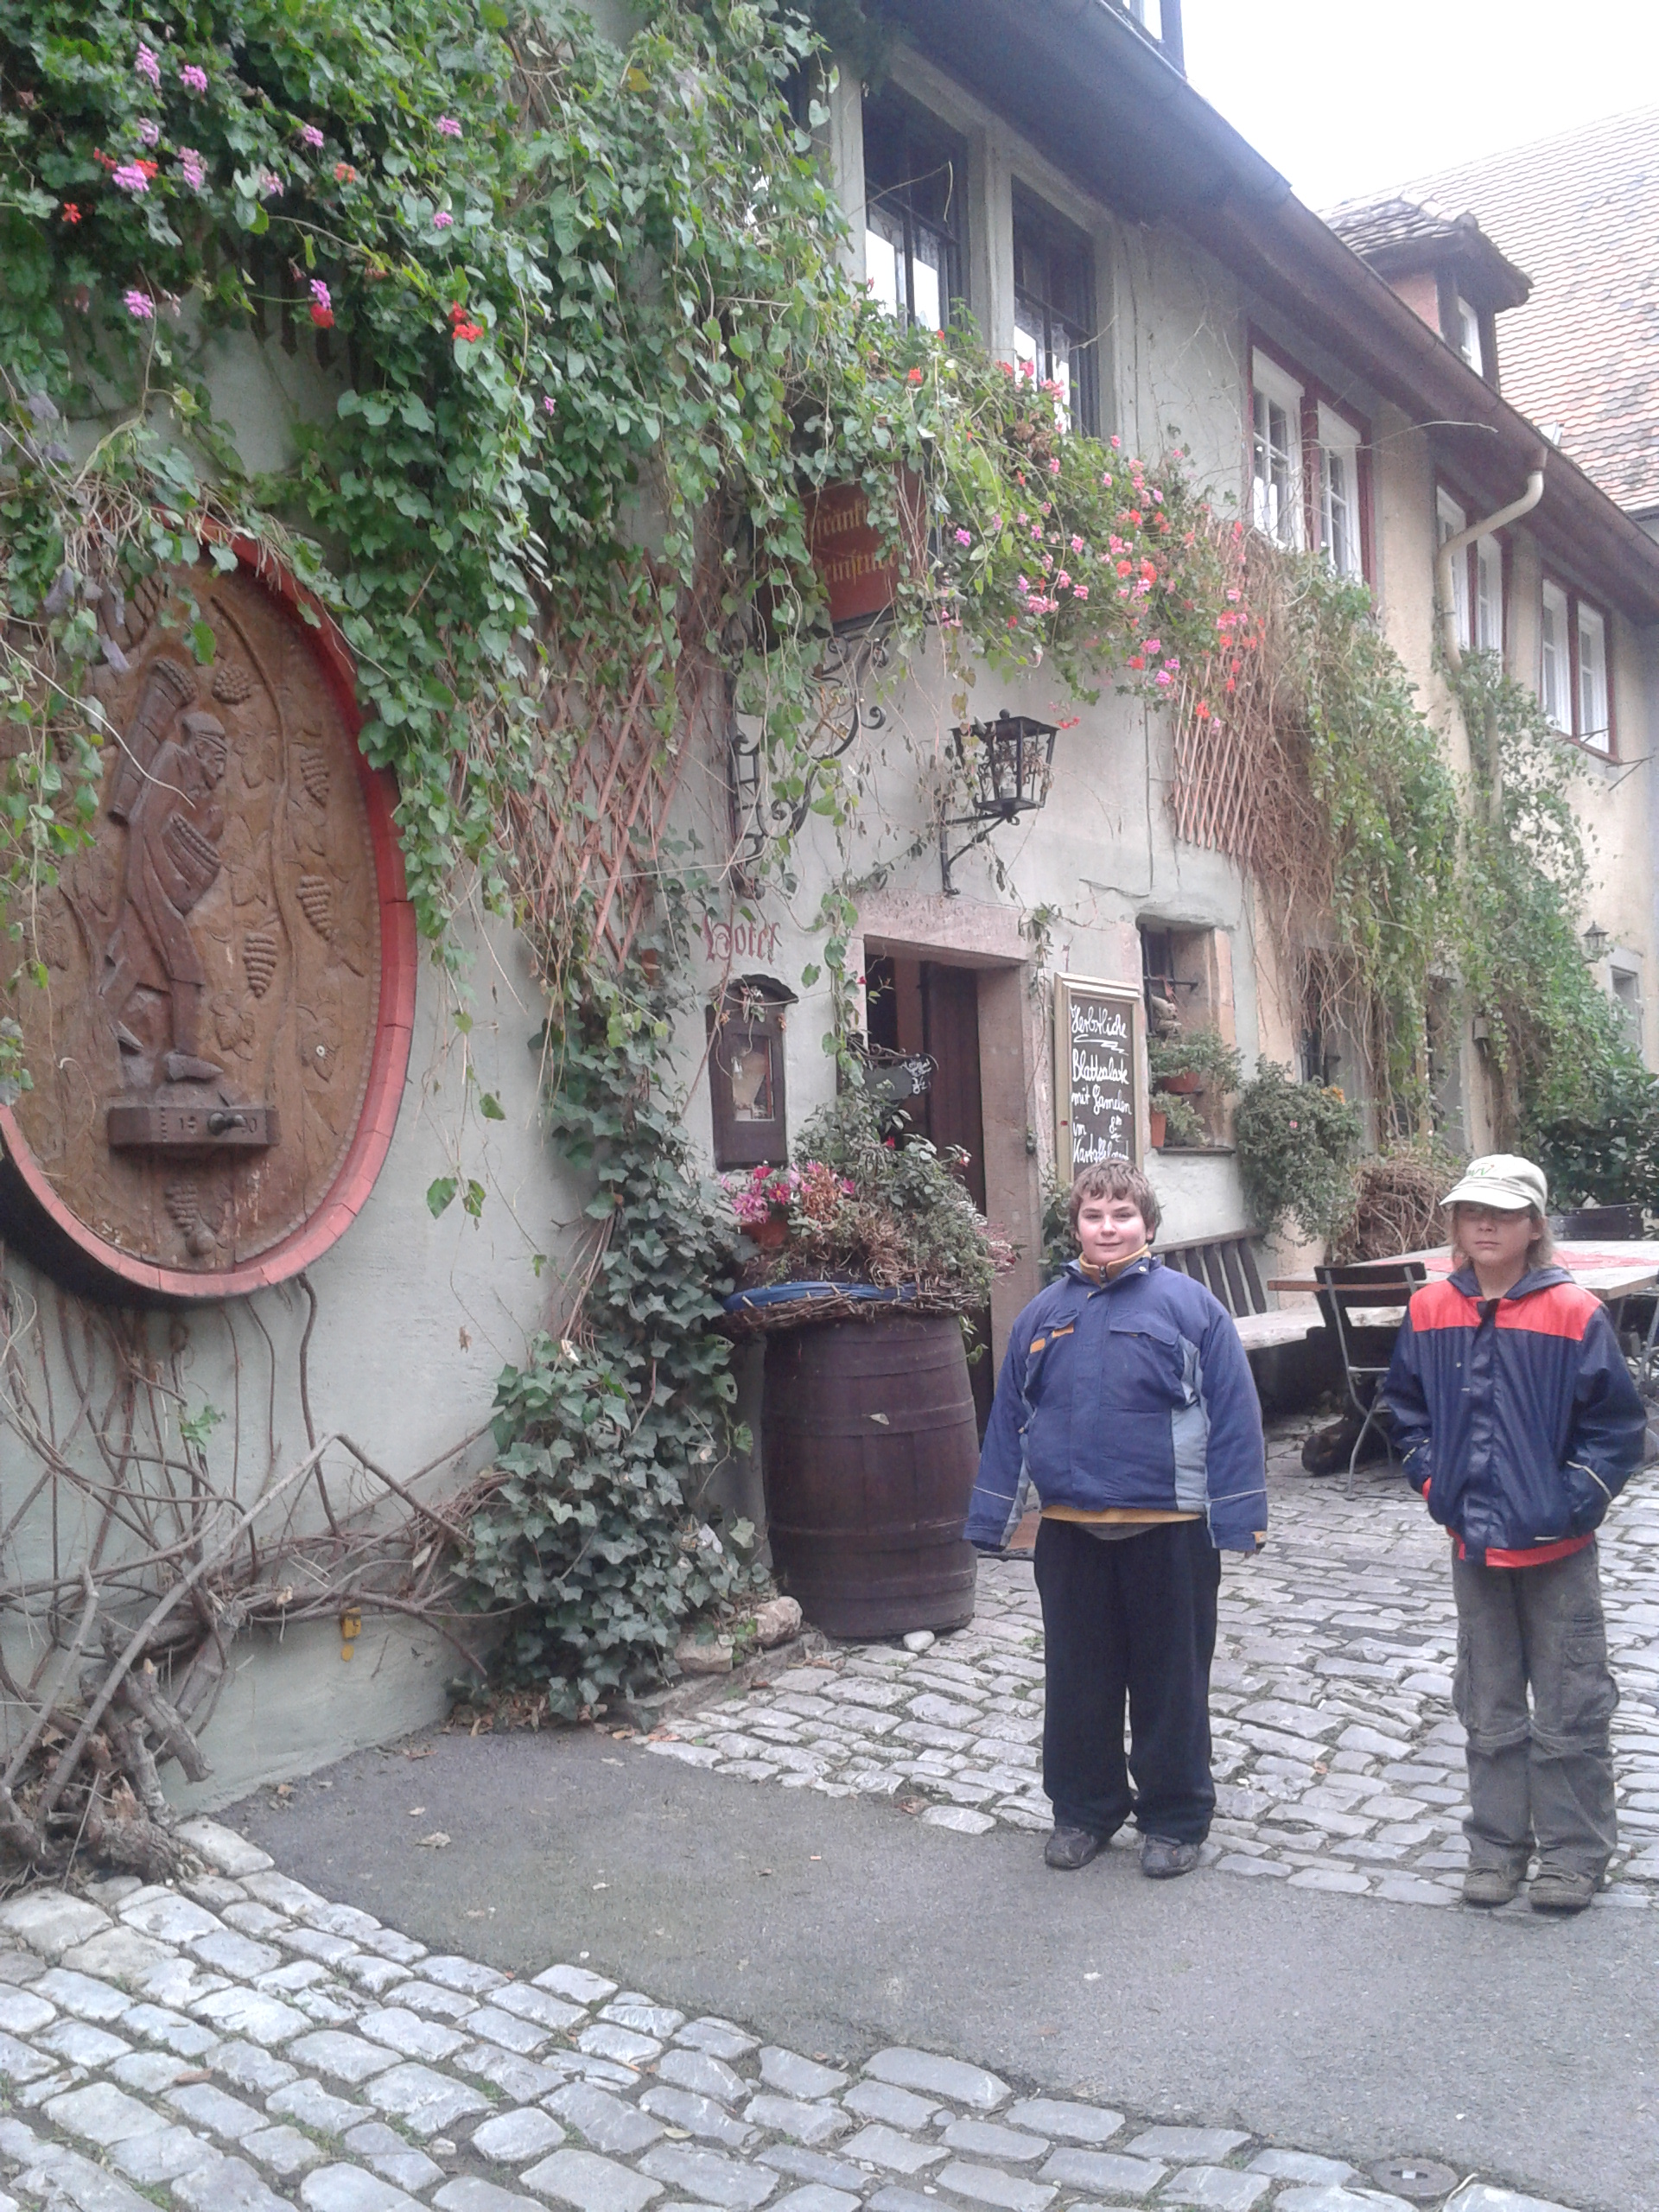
{"x":1080,"y":82}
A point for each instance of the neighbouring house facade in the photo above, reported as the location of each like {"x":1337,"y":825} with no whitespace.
{"x":1052,"y":174}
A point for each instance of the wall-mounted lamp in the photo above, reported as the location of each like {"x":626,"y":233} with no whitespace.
{"x":1595,"y":941}
{"x":1008,"y":763}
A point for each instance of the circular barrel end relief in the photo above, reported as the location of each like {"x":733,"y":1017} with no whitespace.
{"x":219,"y":1047}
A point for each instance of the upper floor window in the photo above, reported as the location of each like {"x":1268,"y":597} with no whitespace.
{"x":1276,"y":453}
{"x":1556,"y":660}
{"x":1053,"y":307}
{"x":1489,"y":595}
{"x":1450,"y":520}
{"x":1573,"y":684}
{"x":1339,"y":515}
{"x":1468,"y":338}
{"x":914,"y":177}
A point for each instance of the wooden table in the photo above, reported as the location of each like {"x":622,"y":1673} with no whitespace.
{"x":1612,"y":1269}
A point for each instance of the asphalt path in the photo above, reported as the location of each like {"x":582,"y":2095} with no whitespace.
{"x":1519,"y":2047}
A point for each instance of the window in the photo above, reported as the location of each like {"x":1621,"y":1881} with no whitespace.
{"x":1276,"y":453}
{"x":1149,"y":14}
{"x":1467,"y":340}
{"x":914,"y":181}
{"x":1489,"y":595}
{"x":1340,"y":517}
{"x":1627,"y":997}
{"x":1592,"y":680}
{"x":1573,"y":684}
{"x":1053,"y":308}
{"x":1555,"y":669}
{"x":1449,"y":520}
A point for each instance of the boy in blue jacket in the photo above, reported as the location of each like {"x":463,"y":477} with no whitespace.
{"x":1520,"y":1424}
{"x":1127,"y":1403}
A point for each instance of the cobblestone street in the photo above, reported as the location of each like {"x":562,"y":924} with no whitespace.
{"x":240,"y":2044}
{"x":1339,"y":1760}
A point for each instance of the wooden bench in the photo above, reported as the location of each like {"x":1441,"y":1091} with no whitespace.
{"x":1226,"y":1266}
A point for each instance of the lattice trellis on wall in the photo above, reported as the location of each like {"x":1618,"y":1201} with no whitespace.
{"x":587,"y":842}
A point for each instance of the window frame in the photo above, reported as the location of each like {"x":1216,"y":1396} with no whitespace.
{"x":1337,"y":436}
{"x":1576,"y":606}
{"x":1274,"y":386}
{"x":1056,"y":233}
{"x":1469,"y":331}
{"x":920,"y":132}
{"x":1484,"y":558}
{"x":1321,"y":411}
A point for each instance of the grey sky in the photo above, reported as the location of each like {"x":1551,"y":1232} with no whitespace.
{"x":1349,"y":98}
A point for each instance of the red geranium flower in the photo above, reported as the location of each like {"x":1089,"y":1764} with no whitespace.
{"x":323,"y":317}
{"x":70,"y":213}
{"x":913,"y":376}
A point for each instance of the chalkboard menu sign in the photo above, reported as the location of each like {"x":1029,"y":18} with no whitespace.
{"x":1097,"y":1059}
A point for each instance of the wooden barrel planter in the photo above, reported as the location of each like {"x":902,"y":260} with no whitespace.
{"x":870,"y":1449}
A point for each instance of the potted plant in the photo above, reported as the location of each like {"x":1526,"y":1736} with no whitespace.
{"x":761,"y":1200}
{"x":1181,"y":1065}
{"x":869,"y":1439}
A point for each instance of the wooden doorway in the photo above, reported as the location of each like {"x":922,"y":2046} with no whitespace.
{"x":926,"y":1006}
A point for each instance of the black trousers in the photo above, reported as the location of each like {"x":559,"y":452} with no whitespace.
{"x":1133,"y":1619}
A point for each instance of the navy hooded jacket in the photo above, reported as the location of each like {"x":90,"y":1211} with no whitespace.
{"x":1516,"y":1415}
{"x":1131,"y":1393}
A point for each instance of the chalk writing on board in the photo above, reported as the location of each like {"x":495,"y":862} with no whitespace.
{"x":1102,"y":1042}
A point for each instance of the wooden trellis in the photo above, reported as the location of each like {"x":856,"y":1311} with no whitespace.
{"x":586,"y":840}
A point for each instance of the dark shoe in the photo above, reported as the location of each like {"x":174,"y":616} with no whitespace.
{"x":1068,"y":1848}
{"x":1489,"y":1886}
{"x":1553,"y":1890}
{"x":1162,"y":1857}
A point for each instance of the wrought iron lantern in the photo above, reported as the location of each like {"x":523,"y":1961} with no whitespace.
{"x":1595,"y":941}
{"x":1008,"y":765}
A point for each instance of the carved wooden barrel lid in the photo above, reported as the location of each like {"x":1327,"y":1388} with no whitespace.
{"x":220,"y":1047}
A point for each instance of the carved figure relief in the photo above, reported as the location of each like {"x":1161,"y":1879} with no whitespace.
{"x":201,"y":1046}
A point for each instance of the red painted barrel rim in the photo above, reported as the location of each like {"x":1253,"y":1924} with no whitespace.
{"x":365,"y":1155}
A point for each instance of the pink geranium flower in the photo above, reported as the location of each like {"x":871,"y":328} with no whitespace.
{"x":311,"y":136}
{"x":194,"y":79}
{"x":139,"y":306}
{"x":146,"y":65}
{"x":192,"y":167}
{"x":442,"y":219}
{"x":129,"y":177}
{"x":448,"y":127}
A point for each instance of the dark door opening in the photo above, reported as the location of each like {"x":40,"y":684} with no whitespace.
{"x":923,"y":1006}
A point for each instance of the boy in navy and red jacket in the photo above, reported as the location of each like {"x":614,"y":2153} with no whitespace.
{"x":1520,"y":1424}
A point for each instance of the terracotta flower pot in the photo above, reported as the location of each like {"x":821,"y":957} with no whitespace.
{"x":1158,"y":1122}
{"x":1184,"y":1084}
{"x":772,"y":1233}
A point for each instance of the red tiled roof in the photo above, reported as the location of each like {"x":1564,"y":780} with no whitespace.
{"x":1580,"y":214}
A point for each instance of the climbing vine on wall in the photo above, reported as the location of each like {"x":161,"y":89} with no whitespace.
{"x":1303,"y":748}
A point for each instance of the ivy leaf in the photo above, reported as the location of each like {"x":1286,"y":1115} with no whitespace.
{"x":489,"y":1107}
{"x":202,"y":641}
{"x":440,"y":1195}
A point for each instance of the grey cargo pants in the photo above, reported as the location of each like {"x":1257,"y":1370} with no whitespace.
{"x":1544,"y":1776}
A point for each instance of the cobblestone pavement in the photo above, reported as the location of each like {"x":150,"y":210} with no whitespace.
{"x":238,"y":2043}
{"x":1339,"y":1763}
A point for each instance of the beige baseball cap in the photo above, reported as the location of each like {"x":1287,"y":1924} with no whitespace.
{"x":1501,"y":1179}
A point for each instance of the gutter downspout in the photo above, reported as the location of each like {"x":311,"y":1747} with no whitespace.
{"x":1454,"y":546}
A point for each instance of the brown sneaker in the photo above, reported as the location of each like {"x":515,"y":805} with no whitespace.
{"x":1554,"y":1890}
{"x":1489,"y":1886}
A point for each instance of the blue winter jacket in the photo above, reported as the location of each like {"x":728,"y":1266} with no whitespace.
{"x":1130,"y":1393}
{"x":1516,"y":1415}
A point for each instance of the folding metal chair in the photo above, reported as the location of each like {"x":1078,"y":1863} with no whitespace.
{"x":1366,"y":1347}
